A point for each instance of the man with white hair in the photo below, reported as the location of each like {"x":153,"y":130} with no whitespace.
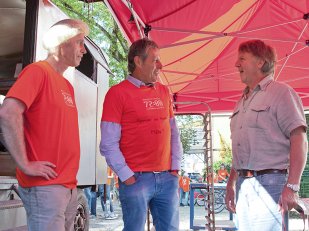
{"x":40,"y":126}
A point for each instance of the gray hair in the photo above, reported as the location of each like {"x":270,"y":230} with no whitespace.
{"x":62,"y":31}
{"x":260,"y":50}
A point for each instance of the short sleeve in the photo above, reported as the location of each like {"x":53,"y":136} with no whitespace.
{"x":28,"y":85}
{"x":290,"y":112}
{"x":112,"y":106}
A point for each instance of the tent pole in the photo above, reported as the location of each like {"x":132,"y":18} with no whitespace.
{"x":133,"y":13}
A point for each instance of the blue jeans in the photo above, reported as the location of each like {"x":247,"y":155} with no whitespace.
{"x":257,"y":202}
{"x":92,"y":200}
{"x":108,"y":193}
{"x":182,"y":195}
{"x":49,"y":208}
{"x":159,"y":192}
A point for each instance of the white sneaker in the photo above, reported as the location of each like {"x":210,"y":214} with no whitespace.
{"x":111,"y":216}
{"x":92,"y":216}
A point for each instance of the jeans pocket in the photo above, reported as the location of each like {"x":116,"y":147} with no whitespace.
{"x":273,"y":179}
{"x":173,"y":175}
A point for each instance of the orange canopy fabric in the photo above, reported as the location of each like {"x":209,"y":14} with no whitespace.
{"x":199,"y":41}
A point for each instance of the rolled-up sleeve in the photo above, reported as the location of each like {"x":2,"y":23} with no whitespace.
{"x":290,"y":112}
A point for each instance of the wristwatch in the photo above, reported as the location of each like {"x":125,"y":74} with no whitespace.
{"x":294,"y":187}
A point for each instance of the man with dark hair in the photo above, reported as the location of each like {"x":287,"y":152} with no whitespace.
{"x":141,"y":142}
{"x":268,"y":131}
{"x":40,"y":126}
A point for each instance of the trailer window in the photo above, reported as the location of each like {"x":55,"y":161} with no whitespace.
{"x":87,"y":65}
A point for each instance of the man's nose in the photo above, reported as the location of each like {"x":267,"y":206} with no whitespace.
{"x":159,"y":66}
{"x":84,"y":51}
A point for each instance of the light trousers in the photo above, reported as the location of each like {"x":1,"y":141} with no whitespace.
{"x":257,"y":207}
{"x":49,"y":208}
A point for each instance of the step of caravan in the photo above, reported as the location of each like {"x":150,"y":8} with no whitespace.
{"x":21,"y":228}
{"x":11,"y":204}
{"x":12,"y":215}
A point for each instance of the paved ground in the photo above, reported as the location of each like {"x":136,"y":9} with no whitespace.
{"x":100,"y":224}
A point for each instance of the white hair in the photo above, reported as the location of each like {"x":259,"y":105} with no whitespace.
{"x":62,"y":31}
{"x":1,"y":99}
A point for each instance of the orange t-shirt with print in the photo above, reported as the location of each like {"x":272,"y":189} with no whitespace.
{"x":184,"y":183}
{"x":50,"y":123}
{"x":144,"y":115}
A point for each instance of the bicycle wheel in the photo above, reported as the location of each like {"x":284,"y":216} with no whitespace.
{"x":219,"y":204}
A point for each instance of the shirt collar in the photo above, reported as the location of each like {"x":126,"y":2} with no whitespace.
{"x":136,"y":82}
{"x":262,"y":85}
{"x":265,"y":82}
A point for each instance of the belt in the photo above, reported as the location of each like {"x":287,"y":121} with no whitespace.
{"x":251,"y":173}
{"x":155,"y":172}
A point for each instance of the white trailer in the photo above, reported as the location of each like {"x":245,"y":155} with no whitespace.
{"x":23,"y":24}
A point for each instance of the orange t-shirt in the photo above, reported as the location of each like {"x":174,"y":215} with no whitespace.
{"x":144,"y":115}
{"x":184,"y":183}
{"x":50,"y":123}
{"x":222,"y":174}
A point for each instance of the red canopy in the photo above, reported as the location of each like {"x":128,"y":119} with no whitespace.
{"x":199,"y":41}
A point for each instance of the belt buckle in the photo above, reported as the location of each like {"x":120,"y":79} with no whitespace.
{"x":156,"y":172}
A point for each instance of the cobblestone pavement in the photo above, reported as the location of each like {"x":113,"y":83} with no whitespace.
{"x":100,"y":224}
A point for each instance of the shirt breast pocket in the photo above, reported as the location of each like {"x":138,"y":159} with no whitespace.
{"x":259,"y":116}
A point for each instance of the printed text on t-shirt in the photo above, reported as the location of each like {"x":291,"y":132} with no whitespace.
{"x":67,"y":99}
{"x":153,"y":103}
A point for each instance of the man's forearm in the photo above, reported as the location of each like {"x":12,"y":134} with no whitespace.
{"x":12,"y":128}
{"x":232,"y":178}
{"x":109,"y":147}
{"x":298,"y":155}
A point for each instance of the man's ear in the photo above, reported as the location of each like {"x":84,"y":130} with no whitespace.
{"x":261,"y":63}
{"x":137,"y":61}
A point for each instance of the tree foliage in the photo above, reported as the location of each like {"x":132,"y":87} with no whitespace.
{"x":103,"y":31}
{"x":187,"y":131}
{"x":187,"y":125}
{"x":225,"y":154}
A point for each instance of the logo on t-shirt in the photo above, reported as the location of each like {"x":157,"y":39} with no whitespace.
{"x":68,"y":100}
{"x":153,"y":103}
